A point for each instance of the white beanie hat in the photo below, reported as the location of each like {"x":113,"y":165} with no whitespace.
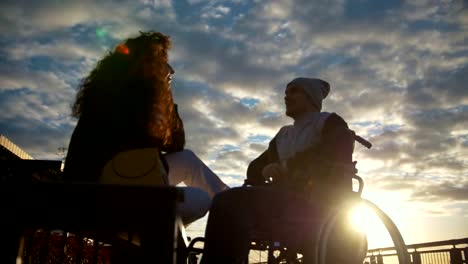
{"x":316,"y":89}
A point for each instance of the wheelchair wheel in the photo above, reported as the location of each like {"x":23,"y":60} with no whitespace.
{"x":400,"y":246}
{"x":324,"y":235}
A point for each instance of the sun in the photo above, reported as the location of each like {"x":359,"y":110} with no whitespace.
{"x":360,"y":218}
{"x":365,"y":220}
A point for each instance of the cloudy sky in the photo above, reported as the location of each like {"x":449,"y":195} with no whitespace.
{"x":398,"y":71}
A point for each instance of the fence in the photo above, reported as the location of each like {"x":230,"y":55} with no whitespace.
{"x":453,"y":251}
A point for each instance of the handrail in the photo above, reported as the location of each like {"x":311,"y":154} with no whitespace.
{"x":450,"y":242}
{"x":437,"y":252}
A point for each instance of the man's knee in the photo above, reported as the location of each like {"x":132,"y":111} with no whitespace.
{"x":231,"y":197}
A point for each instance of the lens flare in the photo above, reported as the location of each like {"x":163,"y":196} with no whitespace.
{"x":101,"y":33}
{"x":363,"y":219}
{"x":122,"y":48}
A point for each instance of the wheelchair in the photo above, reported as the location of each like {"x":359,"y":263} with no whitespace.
{"x":278,"y":250}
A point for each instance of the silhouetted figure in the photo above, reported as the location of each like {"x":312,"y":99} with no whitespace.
{"x":129,"y":130}
{"x":297,"y":181}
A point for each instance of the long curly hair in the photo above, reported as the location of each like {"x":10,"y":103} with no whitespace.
{"x":129,"y":86}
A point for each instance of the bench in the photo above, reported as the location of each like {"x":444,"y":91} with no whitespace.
{"x":95,"y":212}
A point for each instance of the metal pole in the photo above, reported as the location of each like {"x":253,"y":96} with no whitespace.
{"x":416,"y":257}
{"x":380,"y":259}
{"x":456,"y":256}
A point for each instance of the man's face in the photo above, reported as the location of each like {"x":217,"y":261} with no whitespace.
{"x":296,"y":101}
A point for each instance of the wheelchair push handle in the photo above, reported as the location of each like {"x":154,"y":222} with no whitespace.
{"x":363,"y":142}
{"x":360,"y":139}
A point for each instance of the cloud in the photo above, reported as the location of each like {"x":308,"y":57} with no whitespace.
{"x":398,"y":72}
{"x":446,"y":89}
{"x":13,"y":78}
{"x":59,"y":50}
{"x":216,"y":12}
{"x":444,"y":191}
{"x":34,"y":18}
{"x":258,"y":147}
{"x":446,"y":195}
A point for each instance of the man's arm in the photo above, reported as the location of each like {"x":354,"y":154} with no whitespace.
{"x":254,"y":171}
{"x":337,"y":141}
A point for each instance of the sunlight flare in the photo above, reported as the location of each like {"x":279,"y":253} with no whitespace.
{"x":364,"y":220}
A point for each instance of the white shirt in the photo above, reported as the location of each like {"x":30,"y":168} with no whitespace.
{"x":304,"y":133}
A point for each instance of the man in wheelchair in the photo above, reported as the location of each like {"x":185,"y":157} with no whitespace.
{"x":292,"y":188}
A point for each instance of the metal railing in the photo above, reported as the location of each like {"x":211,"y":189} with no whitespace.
{"x":453,"y":251}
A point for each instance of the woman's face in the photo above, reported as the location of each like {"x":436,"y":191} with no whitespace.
{"x":170,"y":72}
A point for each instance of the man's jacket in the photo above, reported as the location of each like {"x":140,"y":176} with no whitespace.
{"x":317,"y":168}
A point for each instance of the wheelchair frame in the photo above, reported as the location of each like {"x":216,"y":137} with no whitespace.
{"x":322,"y":237}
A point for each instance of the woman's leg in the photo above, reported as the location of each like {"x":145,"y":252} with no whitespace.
{"x":196,"y":204}
{"x":185,"y":166}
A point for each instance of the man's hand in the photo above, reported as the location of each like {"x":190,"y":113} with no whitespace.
{"x":274,"y":172}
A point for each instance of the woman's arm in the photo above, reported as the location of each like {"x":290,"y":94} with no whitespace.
{"x":178,"y":134}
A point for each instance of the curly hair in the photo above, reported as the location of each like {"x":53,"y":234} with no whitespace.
{"x":130,"y":86}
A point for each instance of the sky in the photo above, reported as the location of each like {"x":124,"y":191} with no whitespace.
{"x":398,"y":72}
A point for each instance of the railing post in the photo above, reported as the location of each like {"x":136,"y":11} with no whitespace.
{"x":380,"y":259}
{"x":455,"y":256}
{"x":416,"y":257}
{"x":376,"y":259}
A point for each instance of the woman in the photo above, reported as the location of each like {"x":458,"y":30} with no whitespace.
{"x":125,"y":109}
